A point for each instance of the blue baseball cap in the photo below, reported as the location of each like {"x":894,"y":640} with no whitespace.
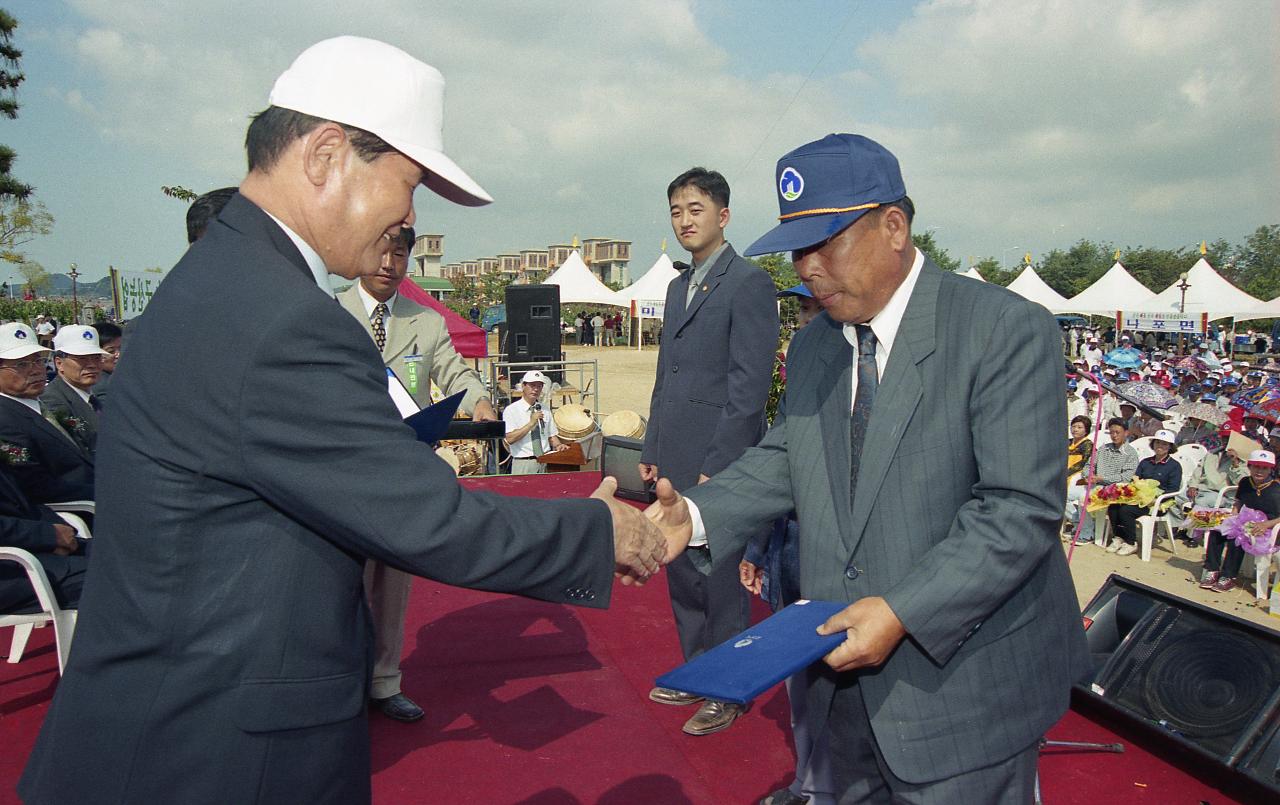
{"x":795,"y":290}
{"x":1209,"y":398}
{"x":826,"y":185}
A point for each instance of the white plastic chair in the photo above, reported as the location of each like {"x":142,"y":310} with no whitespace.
{"x":1190,"y":460}
{"x":1143,"y":445}
{"x":64,"y":620}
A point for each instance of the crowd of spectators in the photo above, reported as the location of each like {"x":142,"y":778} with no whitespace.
{"x":1207,"y":397}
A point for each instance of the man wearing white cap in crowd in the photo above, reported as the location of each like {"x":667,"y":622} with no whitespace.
{"x":1259,"y":491}
{"x":223,"y":644}
{"x":48,"y":464}
{"x":1092,"y":352}
{"x":68,"y":399}
{"x":44,"y":330}
{"x":530,"y":431}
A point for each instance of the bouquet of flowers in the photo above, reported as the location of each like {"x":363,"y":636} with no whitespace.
{"x":1242,"y":528}
{"x":1205,"y":518}
{"x":1134,"y":493}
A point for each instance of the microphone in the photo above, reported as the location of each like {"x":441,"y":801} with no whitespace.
{"x":537,"y":406}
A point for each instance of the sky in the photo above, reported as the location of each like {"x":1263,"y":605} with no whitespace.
{"x":1020,"y":125}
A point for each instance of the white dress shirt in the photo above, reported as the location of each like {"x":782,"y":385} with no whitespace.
{"x":516,"y":416}
{"x":370,"y":303}
{"x":34,"y":405}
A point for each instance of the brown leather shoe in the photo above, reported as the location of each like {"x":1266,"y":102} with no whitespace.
{"x":669,"y":696}
{"x":712,"y":717}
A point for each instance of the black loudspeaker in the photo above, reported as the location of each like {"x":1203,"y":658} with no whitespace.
{"x":533,"y":328}
{"x":1208,"y":680}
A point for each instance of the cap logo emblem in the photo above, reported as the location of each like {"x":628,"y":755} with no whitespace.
{"x":790,"y":184}
{"x":86,"y":335}
{"x":19,"y":334}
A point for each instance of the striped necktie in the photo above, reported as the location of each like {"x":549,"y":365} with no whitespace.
{"x":868,"y":381}
{"x":379,"y":326}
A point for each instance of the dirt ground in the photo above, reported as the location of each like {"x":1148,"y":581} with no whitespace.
{"x":626,"y":382}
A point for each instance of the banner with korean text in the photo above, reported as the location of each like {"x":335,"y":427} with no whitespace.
{"x":1175,"y":323}
{"x":132,"y":290}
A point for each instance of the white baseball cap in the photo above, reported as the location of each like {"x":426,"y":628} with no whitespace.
{"x":379,"y":88}
{"x":1165,"y":436}
{"x":533,"y":377}
{"x":17,"y":340}
{"x":76,"y":339}
{"x":1265,"y":457}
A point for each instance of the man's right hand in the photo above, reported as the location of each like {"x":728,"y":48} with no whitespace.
{"x":66,"y":537}
{"x":751,"y":576}
{"x":535,"y":417}
{"x":639,"y":550}
{"x":648,"y":472}
{"x":671,"y":514}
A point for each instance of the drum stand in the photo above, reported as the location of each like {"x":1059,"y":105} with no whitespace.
{"x":1083,"y":746}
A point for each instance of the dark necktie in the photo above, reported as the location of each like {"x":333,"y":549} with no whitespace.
{"x":94,"y":403}
{"x":536,"y":436}
{"x":863,"y":399}
{"x":379,"y":328}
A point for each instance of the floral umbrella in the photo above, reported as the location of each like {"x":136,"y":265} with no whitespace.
{"x":1202,"y":411}
{"x":1149,"y":394}
{"x":1193,"y":364}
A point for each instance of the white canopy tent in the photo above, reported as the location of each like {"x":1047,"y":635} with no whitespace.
{"x":578,"y":284}
{"x":1114,"y":290}
{"x":1029,"y":286}
{"x":972,"y":273}
{"x":647,"y":293}
{"x":1207,"y":292}
{"x":1267,"y":310}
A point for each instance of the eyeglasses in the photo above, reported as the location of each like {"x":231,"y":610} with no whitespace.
{"x":26,"y":365}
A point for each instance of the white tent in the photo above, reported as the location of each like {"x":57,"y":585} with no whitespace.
{"x":1268,"y":310}
{"x":578,"y":284}
{"x":1029,"y":286}
{"x":652,"y":287}
{"x":647,"y":293}
{"x":972,"y":273}
{"x":1207,"y":292}
{"x":1114,"y":290}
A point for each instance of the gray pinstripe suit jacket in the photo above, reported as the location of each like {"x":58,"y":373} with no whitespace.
{"x":960,"y":492}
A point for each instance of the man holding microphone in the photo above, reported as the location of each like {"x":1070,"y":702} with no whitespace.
{"x":529,"y":433}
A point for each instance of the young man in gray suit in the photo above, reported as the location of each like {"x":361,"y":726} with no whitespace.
{"x":715,"y":364}
{"x":924,"y":499}
{"x":414,"y":343}
{"x":222,"y":651}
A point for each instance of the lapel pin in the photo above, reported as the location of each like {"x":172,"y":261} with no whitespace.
{"x":704,"y":287}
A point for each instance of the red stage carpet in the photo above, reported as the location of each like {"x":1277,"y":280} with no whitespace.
{"x":540,"y":704}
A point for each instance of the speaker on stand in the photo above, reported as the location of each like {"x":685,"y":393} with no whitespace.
{"x":533,"y":328}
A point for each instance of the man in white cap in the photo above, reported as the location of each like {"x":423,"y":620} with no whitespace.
{"x":530,"y":432}
{"x":223,"y":649}
{"x":68,"y":399}
{"x":46,"y":461}
{"x":1092,"y":352}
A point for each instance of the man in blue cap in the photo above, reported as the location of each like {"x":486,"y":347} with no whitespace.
{"x":924,"y":499}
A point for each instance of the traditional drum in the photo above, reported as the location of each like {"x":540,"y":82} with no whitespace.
{"x":574,"y":422}
{"x":624,"y":423}
{"x":468,"y":455}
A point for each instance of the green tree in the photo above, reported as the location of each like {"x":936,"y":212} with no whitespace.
{"x":989,"y":268}
{"x":926,"y":243}
{"x":179,"y":192}
{"x":1071,"y":271}
{"x":10,"y":78}
{"x":37,"y":279}
{"x":1158,"y":268}
{"x":21,"y":222}
{"x":1256,"y":263}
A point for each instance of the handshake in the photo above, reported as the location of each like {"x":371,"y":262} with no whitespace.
{"x":644,"y":542}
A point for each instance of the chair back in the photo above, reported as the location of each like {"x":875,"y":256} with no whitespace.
{"x":1190,"y":456}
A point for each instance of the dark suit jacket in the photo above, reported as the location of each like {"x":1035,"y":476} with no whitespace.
{"x":47,"y":464}
{"x":960,"y":494}
{"x":29,"y":526}
{"x":62,"y":401}
{"x":223,"y":648}
{"x":715,"y":364}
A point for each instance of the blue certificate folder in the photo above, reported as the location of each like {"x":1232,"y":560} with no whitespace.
{"x":743,"y":667}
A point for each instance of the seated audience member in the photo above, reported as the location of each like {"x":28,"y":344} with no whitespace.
{"x":1259,"y":491}
{"x":43,"y":458}
{"x":1195,"y":431}
{"x":53,"y":542}
{"x":1273,"y":439}
{"x":69,"y":398}
{"x":1079,"y":446}
{"x":109,"y":338}
{"x":1217,"y":472}
{"x":531,"y":432}
{"x":1161,"y":467}
{"x":1144,"y":424}
{"x":1116,"y":463}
